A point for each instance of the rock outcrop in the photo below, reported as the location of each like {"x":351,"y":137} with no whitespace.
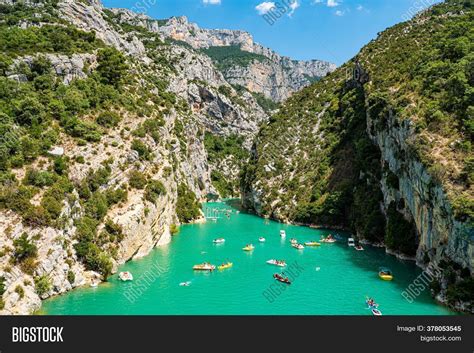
{"x":68,"y":68}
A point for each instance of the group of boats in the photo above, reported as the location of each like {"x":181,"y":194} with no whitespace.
{"x":294,"y":243}
{"x":384,"y":273}
{"x":206,"y":266}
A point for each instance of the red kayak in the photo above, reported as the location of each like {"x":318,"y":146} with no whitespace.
{"x":281,"y":279}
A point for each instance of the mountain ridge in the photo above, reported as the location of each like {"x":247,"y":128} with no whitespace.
{"x":286,"y":74}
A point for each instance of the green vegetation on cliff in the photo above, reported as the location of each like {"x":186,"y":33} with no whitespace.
{"x":315,"y":162}
{"x":188,"y":207}
{"x":227,"y":57}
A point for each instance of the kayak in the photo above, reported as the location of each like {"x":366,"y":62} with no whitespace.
{"x":376,"y":312}
{"x":185,"y":284}
{"x":385,"y":274}
{"x":359,"y":248}
{"x":312,"y":243}
{"x":385,"y":277}
{"x":281,"y":279}
{"x":279,"y":263}
{"x":261,"y":240}
{"x":219,"y":241}
{"x":248,"y":248}
{"x":298,"y":246}
{"x":204,"y":267}
{"x":225,"y":266}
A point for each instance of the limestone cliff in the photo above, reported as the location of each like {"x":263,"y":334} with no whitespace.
{"x":172,"y":97}
{"x":277,"y":77}
{"x":364,"y":150}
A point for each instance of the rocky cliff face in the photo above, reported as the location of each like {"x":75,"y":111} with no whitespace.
{"x":441,"y":237}
{"x":277,"y":78}
{"x":424,"y":202}
{"x":197,"y":99}
{"x":355,"y":151}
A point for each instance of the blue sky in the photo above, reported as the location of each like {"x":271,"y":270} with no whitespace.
{"x":332,"y":30}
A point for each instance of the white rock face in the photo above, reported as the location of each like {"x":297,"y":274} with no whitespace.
{"x":441,"y":235}
{"x":145,"y":225}
{"x":68,"y":68}
{"x":277,"y":78}
{"x":90,"y":18}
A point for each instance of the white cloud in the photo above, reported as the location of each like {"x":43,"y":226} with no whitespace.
{"x":315,"y":2}
{"x":339,"y":13}
{"x":360,"y":8}
{"x":332,"y":3}
{"x":293,"y":6}
{"x":265,"y":7}
{"x":211,"y":2}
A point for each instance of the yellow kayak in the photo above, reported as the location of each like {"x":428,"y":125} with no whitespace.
{"x":385,"y":274}
{"x":312,"y":243}
{"x":248,"y":248}
{"x":225,"y":266}
{"x":385,"y":277}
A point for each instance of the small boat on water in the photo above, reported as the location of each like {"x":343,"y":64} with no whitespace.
{"x":385,"y":274}
{"x":262,"y":240}
{"x":94,"y":284}
{"x":248,"y":247}
{"x":312,"y":243}
{"x":371,"y":303}
{"x":351,"y":242}
{"x":298,"y":246}
{"x":225,"y":266}
{"x":206,"y":266}
{"x":219,"y":241}
{"x":329,"y":239}
{"x":281,"y":279}
{"x":185,"y":284}
{"x":293,"y":241}
{"x":282,"y":233}
{"x":125,"y":276}
{"x":359,"y":248}
{"x":376,"y":312}
{"x":279,"y":263}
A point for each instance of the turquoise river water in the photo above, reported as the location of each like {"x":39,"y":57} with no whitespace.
{"x":332,"y":279}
